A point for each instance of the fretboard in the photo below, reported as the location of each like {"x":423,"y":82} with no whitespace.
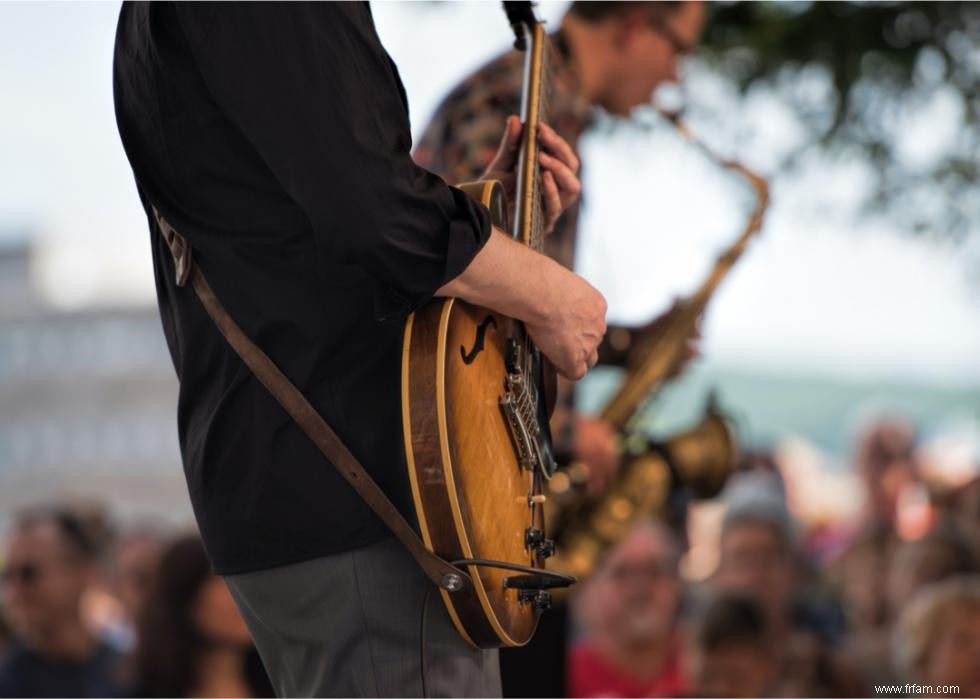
{"x":529,"y":208}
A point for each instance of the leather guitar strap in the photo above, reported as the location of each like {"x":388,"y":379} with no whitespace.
{"x":442,"y":573}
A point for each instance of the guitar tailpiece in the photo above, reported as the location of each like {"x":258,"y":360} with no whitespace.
{"x":532,"y":582}
{"x":531,"y":586}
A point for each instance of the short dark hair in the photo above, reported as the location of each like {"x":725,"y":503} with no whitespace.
{"x":168,"y":653}
{"x":598,"y":11}
{"x":81,"y":542}
{"x":732,"y":620}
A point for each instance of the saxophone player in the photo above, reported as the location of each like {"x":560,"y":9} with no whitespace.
{"x":606,"y":55}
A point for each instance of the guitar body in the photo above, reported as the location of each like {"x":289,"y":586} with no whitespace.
{"x":473,"y":495}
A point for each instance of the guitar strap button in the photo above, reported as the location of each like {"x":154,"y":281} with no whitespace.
{"x":451,"y":582}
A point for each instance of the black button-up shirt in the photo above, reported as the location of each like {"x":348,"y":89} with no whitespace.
{"x":275,"y":138}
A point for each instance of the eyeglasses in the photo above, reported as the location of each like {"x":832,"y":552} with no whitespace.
{"x":648,"y":570}
{"x":679,"y":46}
{"x":25,"y":574}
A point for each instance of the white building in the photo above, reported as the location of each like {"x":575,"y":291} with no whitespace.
{"x":87,"y":403}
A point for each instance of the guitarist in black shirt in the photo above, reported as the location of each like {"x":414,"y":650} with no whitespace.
{"x":275,"y":139}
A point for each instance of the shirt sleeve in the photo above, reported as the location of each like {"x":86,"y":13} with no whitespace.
{"x":311,"y":87}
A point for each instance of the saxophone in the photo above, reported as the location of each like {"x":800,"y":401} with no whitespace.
{"x":660,"y":355}
{"x":699,"y":458}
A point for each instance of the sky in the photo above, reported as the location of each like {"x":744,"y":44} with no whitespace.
{"x":817,"y":291}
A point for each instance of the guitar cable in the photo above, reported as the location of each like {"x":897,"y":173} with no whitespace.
{"x":422,"y":666}
{"x":561,"y":580}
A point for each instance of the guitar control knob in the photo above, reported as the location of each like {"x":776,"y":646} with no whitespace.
{"x":533,"y":537}
{"x":546,"y":548}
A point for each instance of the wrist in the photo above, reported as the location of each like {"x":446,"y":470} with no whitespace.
{"x":542,"y":302}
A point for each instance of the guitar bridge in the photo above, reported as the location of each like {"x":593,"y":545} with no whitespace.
{"x":520,"y":412}
{"x":519,"y":405}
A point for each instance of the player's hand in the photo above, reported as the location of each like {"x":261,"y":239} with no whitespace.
{"x":560,"y":186}
{"x":597,"y":446}
{"x":570,"y":332}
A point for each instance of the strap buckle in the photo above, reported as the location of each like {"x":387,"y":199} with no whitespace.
{"x":179,"y":248}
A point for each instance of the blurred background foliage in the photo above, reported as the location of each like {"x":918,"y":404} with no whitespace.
{"x":858,"y":75}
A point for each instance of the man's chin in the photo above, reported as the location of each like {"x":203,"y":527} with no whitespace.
{"x":616,"y":110}
{"x":640,"y":629}
{"x":629,"y":113}
{"x":624,"y":113}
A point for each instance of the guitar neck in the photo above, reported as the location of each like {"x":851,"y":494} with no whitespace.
{"x":529,"y":207}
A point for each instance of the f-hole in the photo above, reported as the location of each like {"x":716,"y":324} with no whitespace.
{"x":481,"y":332}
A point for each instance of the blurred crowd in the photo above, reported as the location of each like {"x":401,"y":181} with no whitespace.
{"x":889,"y":598}
{"x":88,"y":611}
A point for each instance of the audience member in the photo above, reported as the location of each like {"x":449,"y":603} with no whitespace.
{"x":937,"y":638}
{"x":192,"y":639}
{"x":862,"y":573}
{"x":730,"y":653}
{"x":132,"y":571}
{"x":628,"y":611}
{"x":759,"y":559}
{"x":50,"y":561}
{"x":966,"y":504}
{"x":941,"y":554}
{"x":885,"y":461}
{"x":757,"y":545}
{"x":101,"y":612}
{"x":951,"y":469}
{"x":5,"y":636}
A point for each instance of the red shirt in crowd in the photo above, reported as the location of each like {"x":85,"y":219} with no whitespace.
{"x":591,"y":675}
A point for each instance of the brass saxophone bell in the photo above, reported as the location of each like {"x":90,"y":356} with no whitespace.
{"x":704,"y":455}
{"x":698,"y":460}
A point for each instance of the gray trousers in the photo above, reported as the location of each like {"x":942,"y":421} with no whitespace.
{"x":349,"y":625}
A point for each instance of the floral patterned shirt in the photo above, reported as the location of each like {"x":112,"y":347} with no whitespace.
{"x":464,"y":133}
